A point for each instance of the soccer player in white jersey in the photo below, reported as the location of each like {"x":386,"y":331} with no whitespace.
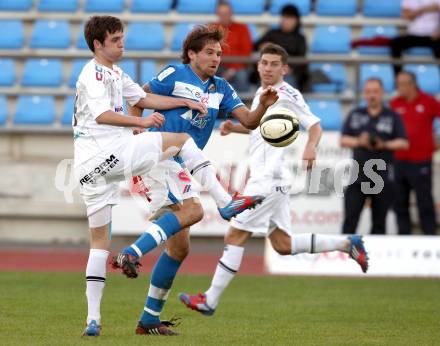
{"x":270,"y":177}
{"x":106,"y":151}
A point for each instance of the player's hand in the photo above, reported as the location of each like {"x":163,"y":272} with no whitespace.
{"x":309,"y":156}
{"x":226,"y":127}
{"x":268,"y":97}
{"x":138,"y":130}
{"x":197,"y":106}
{"x":153,"y":120}
{"x":364,"y":140}
{"x":379,"y":145}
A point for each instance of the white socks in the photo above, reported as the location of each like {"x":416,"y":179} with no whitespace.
{"x":315,"y":243}
{"x":95,"y":276}
{"x":202,"y":170}
{"x":227,"y":267}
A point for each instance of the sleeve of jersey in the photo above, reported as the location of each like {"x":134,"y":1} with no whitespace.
{"x":230,"y":100}
{"x":163,"y":83}
{"x":97,"y":96}
{"x":295,"y":102}
{"x":131,"y":91}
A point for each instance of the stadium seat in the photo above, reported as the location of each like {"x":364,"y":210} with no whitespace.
{"x":336,"y":8}
{"x":382,"y":71}
{"x":253,"y":31}
{"x":196,"y":6}
{"x":81,"y":42}
{"x":384,"y":8}
{"x":3,"y":110}
{"x":35,"y":110}
{"x":42,"y":73}
{"x":145,"y":36}
{"x":77,"y":66}
{"x":51,"y":34}
{"x":336,"y":77}
{"x":418,"y":51}
{"x":428,"y":77}
{"x":371,"y":31}
{"x":247,"y":6}
{"x":148,"y":6}
{"x":330,"y":113}
{"x":15,"y":5}
{"x":66,"y":118}
{"x":277,"y":5}
{"x":104,"y":6}
{"x":331,"y":39}
{"x":58,"y":6}
{"x":148,"y":70}
{"x":7,"y":75}
{"x":129,"y":67}
{"x":180,"y":32}
{"x":11,"y":34}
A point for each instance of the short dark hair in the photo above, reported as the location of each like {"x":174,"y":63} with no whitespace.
{"x":290,"y":11}
{"x":374,"y":79}
{"x":411,"y":75}
{"x":272,"y":48}
{"x":199,"y":37}
{"x":97,"y":27}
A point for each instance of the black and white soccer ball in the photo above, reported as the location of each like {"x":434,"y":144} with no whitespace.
{"x":279,"y":127}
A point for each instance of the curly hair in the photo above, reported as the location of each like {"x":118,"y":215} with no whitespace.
{"x":199,"y":37}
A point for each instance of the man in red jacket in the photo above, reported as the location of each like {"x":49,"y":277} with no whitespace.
{"x":414,"y":165}
{"x":238,"y":43}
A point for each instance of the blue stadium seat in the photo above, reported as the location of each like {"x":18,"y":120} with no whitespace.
{"x":371,"y":31}
{"x":77,"y":66}
{"x":100,"y":6}
{"x":336,"y":74}
{"x":384,"y":8}
{"x":66,"y":118}
{"x":11,"y":34}
{"x":336,"y":8}
{"x":428,"y":77}
{"x":145,"y":36}
{"x":330,"y":113}
{"x":15,"y":5}
{"x":331,"y":39}
{"x":51,"y":34}
{"x":253,"y":31}
{"x":7,"y":75}
{"x":382,"y":71}
{"x":81,"y":42}
{"x":180,"y":32}
{"x":148,"y":70}
{"x":35,"y":110}
{"x":58,"y":6}
{"x":418,"y":51}
{"x":247,"y":6}
{"x":148,"y":6}
{"x":129,"y":67}
{"x":196,"y":6}
{"x":277,"y":5}
{"x":3,"y":110}
{"x":42,"y":72}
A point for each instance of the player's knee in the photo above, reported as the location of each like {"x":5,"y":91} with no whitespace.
{"x":195,"y":212}
{"x":282,"y":248}
{"x":179,"y":252}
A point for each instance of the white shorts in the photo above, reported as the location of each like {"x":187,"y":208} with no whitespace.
{"x":99,"y":177}
{"x":272,"y":213}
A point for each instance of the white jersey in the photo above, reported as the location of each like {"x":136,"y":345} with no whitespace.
{"x":100,"y":89}
{"x":427,"y":23}
{"x":266,"y":161}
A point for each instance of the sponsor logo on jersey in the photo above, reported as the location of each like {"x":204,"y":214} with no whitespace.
{"x":99,"y":171}
{"x":165,"y":73}
{"x":98,"y":73}
{"x":119,"y":109}
{"x":183,"y":176}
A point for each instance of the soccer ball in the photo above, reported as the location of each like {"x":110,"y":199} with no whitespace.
{"x":279,"y":127}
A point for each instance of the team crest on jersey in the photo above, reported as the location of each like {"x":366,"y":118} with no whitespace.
{"x":98,"y":73}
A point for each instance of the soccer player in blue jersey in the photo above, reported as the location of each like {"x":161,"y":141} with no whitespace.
{"x":194,"y":79}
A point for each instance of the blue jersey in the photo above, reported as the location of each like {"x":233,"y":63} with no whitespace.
{"x":181,"y":81}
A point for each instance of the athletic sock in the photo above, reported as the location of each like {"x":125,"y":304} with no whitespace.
{"x":95,"y":282}
{"x":161,"y":281}
{"x":159,"y":231}
{"x":315,"y":243}
{"x":227,"y":267}
{"x":203,"y":171}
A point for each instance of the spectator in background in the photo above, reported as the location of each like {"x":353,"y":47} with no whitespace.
{"x":414,"y":165}
{"x":290,"y":37}
{"x":423,"y":28}
{"x":373,"y":132}
{"x":238,"y":43}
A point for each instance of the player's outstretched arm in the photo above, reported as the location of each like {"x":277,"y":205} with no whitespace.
{"x":153,"y":101}
{"x":251,"y":119}
{"x":309,"y":154}
{"x":116,"y":119}
{"x":227,"y":127}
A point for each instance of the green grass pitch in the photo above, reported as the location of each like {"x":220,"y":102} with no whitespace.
{"x":50,"y":309}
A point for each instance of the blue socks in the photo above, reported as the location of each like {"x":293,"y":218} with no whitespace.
{"x":161,"y":229}
{"x":161,"y":280}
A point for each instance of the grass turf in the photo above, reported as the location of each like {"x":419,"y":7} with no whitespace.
{"x":50,"y":308}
